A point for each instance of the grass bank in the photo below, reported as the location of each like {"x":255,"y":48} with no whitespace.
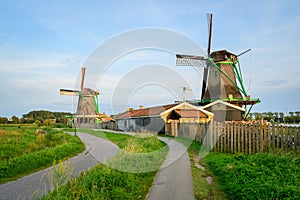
{"x":259,"y":176}
{"x":128,"y":175}
{"x":24,"y":151}
{"x":240,"y":176}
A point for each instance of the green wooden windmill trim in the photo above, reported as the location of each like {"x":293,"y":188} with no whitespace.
{"x":237,"y":72}
{"x":226,"y":75}
{"x":95,"y":102}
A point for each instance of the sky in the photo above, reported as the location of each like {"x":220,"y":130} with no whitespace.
{"x":44,"y":44}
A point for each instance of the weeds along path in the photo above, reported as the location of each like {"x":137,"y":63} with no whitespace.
{"x":37,"y":184}
{"x":174,"y":179}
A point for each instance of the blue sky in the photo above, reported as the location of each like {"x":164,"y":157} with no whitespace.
{"x":43,"y":45}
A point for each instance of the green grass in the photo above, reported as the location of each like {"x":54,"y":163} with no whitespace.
{"x":203,"y":190}
{"x":23,"y":151}
{"x":105,"y":181}
{"x":260,"y":176}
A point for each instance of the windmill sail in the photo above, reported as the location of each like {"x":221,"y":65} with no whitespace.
{"x":69,"y":92}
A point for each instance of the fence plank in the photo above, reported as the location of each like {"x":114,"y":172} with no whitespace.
{"x":232,"y":138}
{"x":259,"y":132}
{"x":268,"y":143}
{"x":297,"y":143}
{"x":286,"y":138}
{"x":235,"y":138}
{"x":249,"y":138}
{"x":238,"y":138}
{"x":245,"y":139}
{"x":280,"y":136}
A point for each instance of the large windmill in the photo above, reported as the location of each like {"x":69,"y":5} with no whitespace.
{"x":87,"y":107}
{"x":222,"y":77}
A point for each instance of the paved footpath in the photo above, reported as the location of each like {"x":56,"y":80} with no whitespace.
{"x":37,"y":184}
{"x":174,"y":179}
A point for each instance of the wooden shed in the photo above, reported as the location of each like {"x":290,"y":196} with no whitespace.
{"x":224,"y":111}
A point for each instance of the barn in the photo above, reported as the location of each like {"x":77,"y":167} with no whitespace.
{"x":155,"y":119}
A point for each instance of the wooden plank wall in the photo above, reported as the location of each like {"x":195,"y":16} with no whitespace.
{"x":234,"y":137}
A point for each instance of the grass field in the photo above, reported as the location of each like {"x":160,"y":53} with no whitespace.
{"x":259,"y":176}
{"x":107,"y":182}
{"x":23,"y":151}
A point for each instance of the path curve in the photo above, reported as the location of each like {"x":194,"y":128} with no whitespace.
{"x":37,"y":184}
{"x":174,"y":179}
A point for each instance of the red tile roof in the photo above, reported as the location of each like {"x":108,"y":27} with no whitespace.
{"x":152,"y":111}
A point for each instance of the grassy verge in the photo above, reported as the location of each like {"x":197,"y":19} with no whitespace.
{"x":23,"y":151}
{"x":260,"y":176}
{"x":202,"y":189}
{"x":115,"y":179}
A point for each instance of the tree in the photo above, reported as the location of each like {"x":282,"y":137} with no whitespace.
{"x":281,"y":114}
{"x":297,"y":116}
{"x":3,"y":120}
{"x":270,"y":116}
{"x":15,"y":119}
{"x":44,"y":115}
{"x":250,"y":116}
{"x":292,"y":116}
{"x":258,"y":116}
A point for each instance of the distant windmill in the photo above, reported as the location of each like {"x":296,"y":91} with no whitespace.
{"x":87,"y":103}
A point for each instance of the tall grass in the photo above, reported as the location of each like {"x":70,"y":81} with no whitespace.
{"x":23,"y":151}
{"x":106,"y":182}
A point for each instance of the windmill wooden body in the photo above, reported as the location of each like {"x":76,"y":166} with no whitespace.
{"x":222,"y":81}
{"x":87,"y":108}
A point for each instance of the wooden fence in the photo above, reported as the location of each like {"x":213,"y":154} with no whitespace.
{"x":194,"y":131}
{"x":234,"y":137}
{"x":255,"y":137}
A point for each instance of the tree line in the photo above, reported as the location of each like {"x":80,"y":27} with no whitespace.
{"x":277,"y":117}
{"x":38,"y":117}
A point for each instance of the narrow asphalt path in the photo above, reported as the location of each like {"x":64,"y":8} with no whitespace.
{"x":174,"y":179}
{"x":37,"y":184}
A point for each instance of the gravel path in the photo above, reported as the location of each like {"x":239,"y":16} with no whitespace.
{"x":37,"y":184}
